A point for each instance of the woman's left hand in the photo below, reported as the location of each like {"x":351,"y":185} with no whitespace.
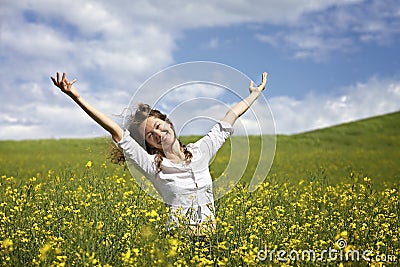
{"x":261,"y":87}
{"x":65,"y":85}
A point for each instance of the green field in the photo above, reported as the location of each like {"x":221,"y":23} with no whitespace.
{"x":338,"y":183}
{"x":363,"y":148}
{"x":368,"y":147}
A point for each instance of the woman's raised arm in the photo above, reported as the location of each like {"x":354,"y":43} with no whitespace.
{"x":109,"y":125}
{"x":241,"y":107}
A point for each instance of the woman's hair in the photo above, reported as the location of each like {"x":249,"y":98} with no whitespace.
{"x":133,"y":125}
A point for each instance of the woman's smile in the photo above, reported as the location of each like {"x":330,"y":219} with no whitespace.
{"x":163,"y":137}
{"x":157,"y":132}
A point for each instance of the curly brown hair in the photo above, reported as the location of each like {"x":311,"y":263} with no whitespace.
{"x":133,"y":124}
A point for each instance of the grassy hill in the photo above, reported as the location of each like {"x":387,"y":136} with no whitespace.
{"x":353,"y":150}
{"x":26,"y":158}
{"x":368,"y":147}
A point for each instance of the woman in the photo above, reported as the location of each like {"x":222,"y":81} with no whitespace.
{"x":179,"y":173}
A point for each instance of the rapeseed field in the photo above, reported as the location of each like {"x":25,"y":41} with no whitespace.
{"x":95,"y":218}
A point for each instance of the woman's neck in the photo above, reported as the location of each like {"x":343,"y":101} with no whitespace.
{"x":174,"y":153}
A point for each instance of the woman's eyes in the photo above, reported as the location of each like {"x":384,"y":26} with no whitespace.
{"x":150,"y":134}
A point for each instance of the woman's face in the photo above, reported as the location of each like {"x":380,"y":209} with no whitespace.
{"x":158,"y":133}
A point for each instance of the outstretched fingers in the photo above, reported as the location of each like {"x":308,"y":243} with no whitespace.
{"x":262,"y":85}
{"x":62,"y":83}
{"x":54,"y":80}
{"x":264,"y":79}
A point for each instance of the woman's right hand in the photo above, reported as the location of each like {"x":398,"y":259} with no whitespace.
{"x":66,"y":86}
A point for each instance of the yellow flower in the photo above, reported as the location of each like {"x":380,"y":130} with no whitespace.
{"x":172,"y":252}
{"x":89,"y":164}
{"x":126,"y":256}
{"x":153,"y":216}
{"x":44,"y":250}
{"x":344,"y":234}
{"x":136,"y":251}
{"x":100,"y":225}
{"x":8,"y":244}
{"x":58,"y":251}
{"x":223,"y":261}
{"x":221,"y":245}
{"x":92,"y":258}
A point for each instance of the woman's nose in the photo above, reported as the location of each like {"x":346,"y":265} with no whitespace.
{"x":157,"y":133}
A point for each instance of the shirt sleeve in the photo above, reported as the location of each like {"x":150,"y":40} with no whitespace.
{"x":134,"y":152}
{"x":216,"y":137}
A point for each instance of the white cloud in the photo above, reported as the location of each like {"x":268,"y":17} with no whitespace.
{"x":318,"y":35}
{"x":362,"y":100}
{"x":213,"y":43}
{"x":287,"y":115}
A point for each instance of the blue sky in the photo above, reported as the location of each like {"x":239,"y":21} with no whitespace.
{"x":329,"y":62}
{"x":326,"y":71}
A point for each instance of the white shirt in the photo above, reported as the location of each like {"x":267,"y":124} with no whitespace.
{"x":186,"y":188}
